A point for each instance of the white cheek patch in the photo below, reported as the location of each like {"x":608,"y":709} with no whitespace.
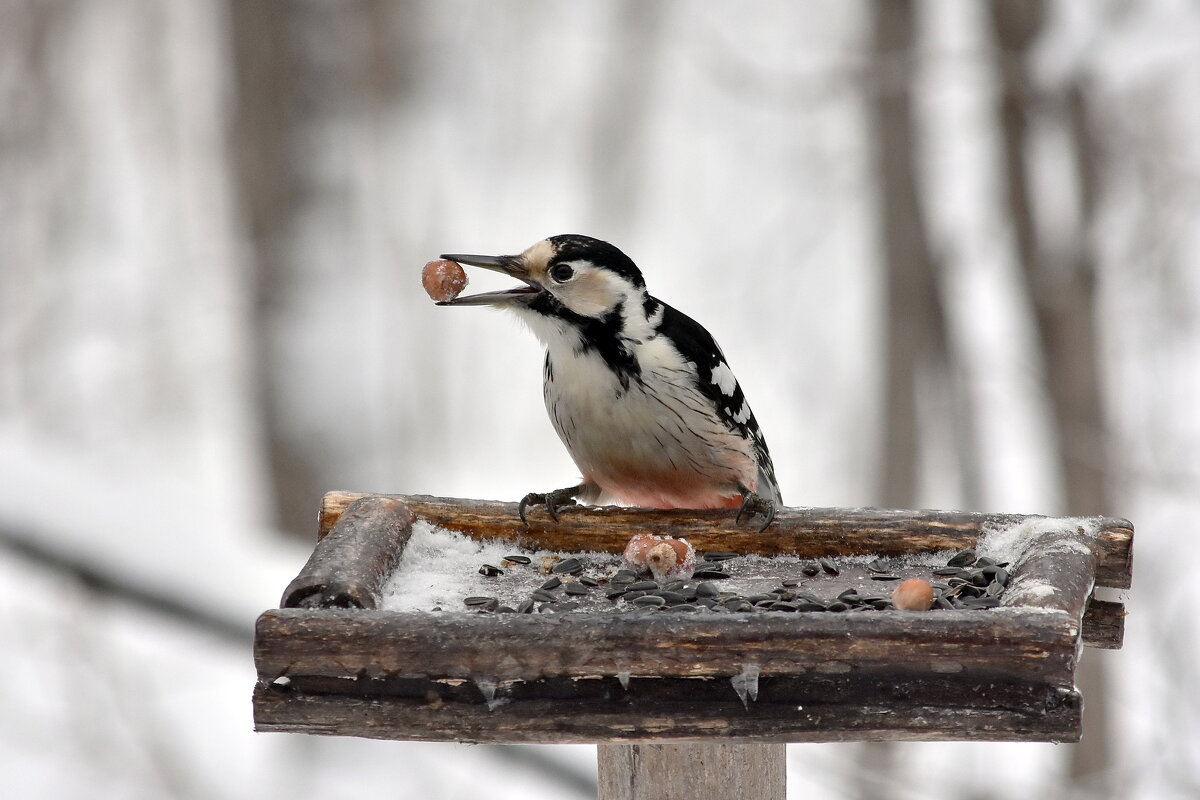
{"x":722,"y":376}
{"x":593,"y":292}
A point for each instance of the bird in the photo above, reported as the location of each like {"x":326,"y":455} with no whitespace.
{"x":639,"y":393}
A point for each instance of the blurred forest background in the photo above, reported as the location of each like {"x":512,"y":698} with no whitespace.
{"x":951,"y":249}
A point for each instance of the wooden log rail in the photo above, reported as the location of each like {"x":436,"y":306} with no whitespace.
{"x":331,"y":662}
{"x":806,"y":532}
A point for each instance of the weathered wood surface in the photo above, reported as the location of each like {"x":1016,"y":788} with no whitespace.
{"x":1104,"y":624}
{"x":349,"y":566}
{"x":574,"y":721}
{"x":1021,"y":644}
{"x":717,"y":771}
{"x":807,"y":532}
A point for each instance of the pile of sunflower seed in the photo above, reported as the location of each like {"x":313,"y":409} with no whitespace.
{"x":966,"y":582}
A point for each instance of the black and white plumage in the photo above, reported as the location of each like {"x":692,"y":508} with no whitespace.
{"x":639,"y":393}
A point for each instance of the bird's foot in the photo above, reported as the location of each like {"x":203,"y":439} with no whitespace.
{"x":559,"y":498}
{"x":753,"y":503}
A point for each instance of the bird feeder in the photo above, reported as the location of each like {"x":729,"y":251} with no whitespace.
{"x":332,"y":660}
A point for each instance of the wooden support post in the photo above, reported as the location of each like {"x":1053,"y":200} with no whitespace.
{"x":690,"y":770}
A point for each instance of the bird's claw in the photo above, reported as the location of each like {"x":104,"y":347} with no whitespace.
{"x":559,"y":498}
{"x":752,"y":504}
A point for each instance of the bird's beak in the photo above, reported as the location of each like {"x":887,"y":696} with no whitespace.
{"x":513,"y":266}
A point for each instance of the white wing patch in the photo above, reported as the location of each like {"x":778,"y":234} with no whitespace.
{"x":722,"y":376}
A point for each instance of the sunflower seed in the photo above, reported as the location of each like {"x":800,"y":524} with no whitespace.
{"x":877,"y":565}
{"x":706,"y":589}
{"x":526,"y":606}
{"x":885,"y":577}
{"x":591,"y":583}
{"x":810,"y":569}
{"x":518,"y":559}
{"x":979,"y":602}
{"x":623,"y":576}
{"x":828,"y":566}
{"x":568,"y":566}
{"x":963,"y":558}
{"x":577,"y":589}
{"x":542,"y":596}
{"x":649,"y":600}
{"x":643,"y":586}
{"x":710,"y":574}
{"x":719,"y":555}
{"x":490,"y":571}
{"x":553,"y":583}
{"x":479,"y":601}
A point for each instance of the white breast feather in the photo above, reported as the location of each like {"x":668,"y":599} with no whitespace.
{"x":657,"y":443}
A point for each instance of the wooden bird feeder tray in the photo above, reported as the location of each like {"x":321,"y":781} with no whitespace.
{"x":331,"y":661}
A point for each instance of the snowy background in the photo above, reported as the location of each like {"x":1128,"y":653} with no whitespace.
{"x":952,"y":251}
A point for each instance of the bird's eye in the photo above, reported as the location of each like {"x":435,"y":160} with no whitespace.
{"x":562,"y":273}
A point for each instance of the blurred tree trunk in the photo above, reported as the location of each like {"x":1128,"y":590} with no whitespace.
{"x":915,"y":344}
{"x":1061,"y":290}
{"x":311,"y":81}
{"x":916,"y":340}
{"x":265,"y":85}
{"x":622,"y":109}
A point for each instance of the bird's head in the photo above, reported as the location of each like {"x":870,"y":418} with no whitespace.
{"x":568,"y":275}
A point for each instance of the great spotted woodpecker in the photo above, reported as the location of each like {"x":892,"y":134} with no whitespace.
{"x":639,"y":393}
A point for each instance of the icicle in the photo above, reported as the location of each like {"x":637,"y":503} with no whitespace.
{"x":488,"y":690}
{"x":623,"y":677}
{"x":746,"y":684}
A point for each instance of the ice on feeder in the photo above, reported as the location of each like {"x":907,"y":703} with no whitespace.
{"x":623,"y":678}
{"x":1012,"y":542}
